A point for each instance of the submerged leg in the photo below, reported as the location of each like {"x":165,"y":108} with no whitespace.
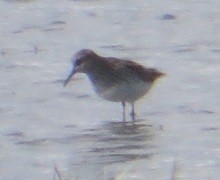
{"x":133,"y":115}
{"x":124,"y":111}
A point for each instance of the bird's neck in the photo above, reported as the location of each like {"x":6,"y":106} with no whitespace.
{"x":100,"y":75}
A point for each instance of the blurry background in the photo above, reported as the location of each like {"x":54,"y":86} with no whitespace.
{"x":47,"y":131}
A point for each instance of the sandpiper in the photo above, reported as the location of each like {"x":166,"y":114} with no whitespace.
{"x":115,"y":79}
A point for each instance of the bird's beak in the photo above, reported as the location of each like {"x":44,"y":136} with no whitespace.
{"x":70,"y":76}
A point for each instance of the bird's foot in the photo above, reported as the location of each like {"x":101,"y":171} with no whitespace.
{"x":133,"y":116}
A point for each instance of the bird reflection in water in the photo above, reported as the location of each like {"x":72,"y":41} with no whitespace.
{"x":117,"y":142}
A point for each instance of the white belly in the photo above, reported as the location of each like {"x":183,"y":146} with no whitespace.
{"x":127,"y":92}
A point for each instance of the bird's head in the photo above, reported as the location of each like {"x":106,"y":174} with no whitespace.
{"x":82,"y":62}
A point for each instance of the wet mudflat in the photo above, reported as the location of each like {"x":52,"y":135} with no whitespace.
{"x":47,"y":131}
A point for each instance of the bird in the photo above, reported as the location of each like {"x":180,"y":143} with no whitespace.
{"x":115,"y":79}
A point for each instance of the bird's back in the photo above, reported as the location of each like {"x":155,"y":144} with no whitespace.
{"x":127,"y":69}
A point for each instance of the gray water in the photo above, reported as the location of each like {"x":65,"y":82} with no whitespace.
{"x":51,"y":132}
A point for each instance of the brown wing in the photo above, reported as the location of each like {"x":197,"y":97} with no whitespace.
{"x":127,"y":68}
{"x":146,"y":74}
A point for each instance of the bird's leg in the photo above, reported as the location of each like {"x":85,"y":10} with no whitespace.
{"x":133,"y":115}
{"x":124,"y":111}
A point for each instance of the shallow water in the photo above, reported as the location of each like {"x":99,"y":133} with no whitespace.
{"x":47,"y":131}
